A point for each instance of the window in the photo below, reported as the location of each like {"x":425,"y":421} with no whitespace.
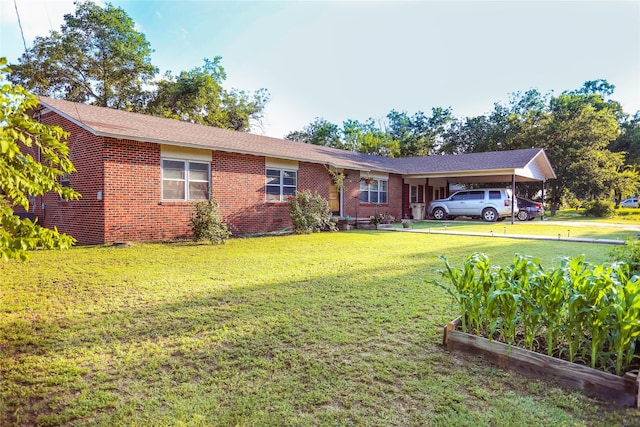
{"x":476,"y":195}
{"x":460,"y":196}
{"x":185,"y":180}
{"x":280,"y":184}
{"x":413,"y":191}
{"x":374,"y":192}
{"x":65,"y":179}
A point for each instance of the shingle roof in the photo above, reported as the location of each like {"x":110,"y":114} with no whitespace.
{"x":514,"y":159}
{"x":140,"y":127}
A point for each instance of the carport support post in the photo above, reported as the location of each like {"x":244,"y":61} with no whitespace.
{"x":513,"y":197}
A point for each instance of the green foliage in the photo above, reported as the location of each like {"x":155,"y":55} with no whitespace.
{"x":599,"y":209}
{"x":404,"y":135}
{"x":197,"y":96}
{"x":310,"y":213}
{"x":628,"y":254}
{"x":206,"y":223}
{"x":302,"y":325}
{"x":97,"y":57}
{"x":381,"y":218}
{"x":21,"y":175}
{"x":578,"y":307}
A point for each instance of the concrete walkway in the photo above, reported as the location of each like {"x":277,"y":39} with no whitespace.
{"x":559,"y":238}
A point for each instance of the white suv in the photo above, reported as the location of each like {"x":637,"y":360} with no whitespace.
{"x":490,"y":204}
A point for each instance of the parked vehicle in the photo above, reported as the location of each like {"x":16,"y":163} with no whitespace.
{"x":490,"y":204}
{"x":629,"y":202}
{"x":528,"y":209}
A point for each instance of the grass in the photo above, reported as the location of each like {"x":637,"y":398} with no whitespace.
{"x":324,"y":329}
{"x":581,"y":226}
{"x":630,"y":216}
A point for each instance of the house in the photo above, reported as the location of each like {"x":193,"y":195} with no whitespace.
{"x":139,"y":174}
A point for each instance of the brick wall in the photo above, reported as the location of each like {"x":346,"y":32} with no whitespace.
{"x":120,"y":183}
{"x":237,"y":184}
{"x":83,"y":218}
{"x":353,"y":207}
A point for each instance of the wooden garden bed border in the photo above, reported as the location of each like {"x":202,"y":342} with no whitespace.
{"x":622,"y":390}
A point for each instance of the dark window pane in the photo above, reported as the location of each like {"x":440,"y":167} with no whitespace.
{"x":173,"y":190}
{"x":198,"y":191}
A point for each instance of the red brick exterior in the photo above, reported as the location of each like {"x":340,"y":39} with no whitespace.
{"x":351,"y":197}
{"x":83,"y":218}
{"x":120,"y":183}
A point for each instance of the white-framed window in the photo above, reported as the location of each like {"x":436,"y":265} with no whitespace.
{"x":185,"y":180}
{"x":376,"y":191}
{"x":413,"y":194}
{"x":280,"y":184}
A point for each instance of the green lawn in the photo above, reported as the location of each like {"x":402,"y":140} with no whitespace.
{"x":552,"y":227}
{"x":326,"y":329}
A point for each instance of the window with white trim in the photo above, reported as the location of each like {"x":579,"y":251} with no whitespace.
{"x":280,"y":184}
{"x":374,"y":192}
{"x":185,"y":180}
{"x":413,"y":194}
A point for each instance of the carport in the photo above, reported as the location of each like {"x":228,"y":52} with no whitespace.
{"x":428,"y":178}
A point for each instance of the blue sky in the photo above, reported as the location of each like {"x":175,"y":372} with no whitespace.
{"x":355,"y":60}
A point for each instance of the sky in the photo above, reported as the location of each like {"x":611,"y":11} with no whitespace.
{"x":342,"y":60}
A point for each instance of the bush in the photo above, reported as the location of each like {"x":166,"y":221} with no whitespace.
{"x":383,"y":218}
{"x":310,"y":213}
{"x":600,"y":209}
{"x":206,"y":223}
{"x":628,"y":254}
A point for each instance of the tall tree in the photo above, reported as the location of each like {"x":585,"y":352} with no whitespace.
{"x":197,"y":96}
{"x":580,"y":127}
{"x":628,"y":141}
{"x":97,"y":57}
{"x":22,"y":176}
{"x":367,"y":137}
{"x":419,"y":135}
{"x":319,"y":132}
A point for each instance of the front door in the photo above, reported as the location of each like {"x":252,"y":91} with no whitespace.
{"x":334,"y":199}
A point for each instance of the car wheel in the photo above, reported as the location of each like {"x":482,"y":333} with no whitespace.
{"x":490,"y":215}
{"x":523,"y":215}
{"x":439,"y":214}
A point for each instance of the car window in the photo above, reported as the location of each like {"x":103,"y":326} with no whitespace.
{"x":460,"y":196}
{"x":494,"y":195}
{"x":476,"y":195}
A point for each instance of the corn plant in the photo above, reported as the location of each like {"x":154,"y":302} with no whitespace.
{"x":625,"y":330}
{"x":469,"y":292}
{"x":552,"y":290}
{"x":578,"y":307}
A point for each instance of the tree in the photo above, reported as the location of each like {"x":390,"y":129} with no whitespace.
{"x":628,"y":141}
{"x":96,"y":58}
{"x":581,"y":126}
{"x":319,"y":132}
{"x":21,"y":175}
{"x":197,"y":96}
{"x":418,"y":135}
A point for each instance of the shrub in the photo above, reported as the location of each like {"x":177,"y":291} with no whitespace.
{"x":600,"y":209}
{"x":206,"y":223}
{"x":310,"y":213}
{"x":383,"y":218}
{"x":628,"y":254}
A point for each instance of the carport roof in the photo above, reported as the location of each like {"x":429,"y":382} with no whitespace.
{"x":529,"y":164}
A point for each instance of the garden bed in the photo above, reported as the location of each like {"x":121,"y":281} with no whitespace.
{"x":623,"y":390}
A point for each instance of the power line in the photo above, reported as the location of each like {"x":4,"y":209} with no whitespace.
{"x":24,"y":42}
